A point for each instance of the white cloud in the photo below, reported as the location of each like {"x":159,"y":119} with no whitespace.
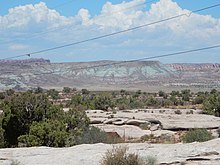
{"x":195,"y":30}
{"x":18,"y":47}
{"x":120,"y":16}
{"x":29,"y":16}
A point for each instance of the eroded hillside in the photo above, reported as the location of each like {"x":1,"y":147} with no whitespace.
{"x":25,"y":74}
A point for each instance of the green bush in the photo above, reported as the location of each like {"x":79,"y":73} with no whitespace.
{"x":51,"y":133}
{"x":199,"y":135}
{"x":119,"y":156}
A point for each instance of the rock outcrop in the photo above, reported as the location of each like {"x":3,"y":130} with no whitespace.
{"x":135,"y":124}
{"x":167,"y":120}
{"x":207,"y":153}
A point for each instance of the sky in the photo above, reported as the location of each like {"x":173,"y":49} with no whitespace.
{"x":31,"y":26}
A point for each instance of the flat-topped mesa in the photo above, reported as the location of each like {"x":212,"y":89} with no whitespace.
{"x":26,"y":61}
{"x":107,"y":63}
{"x":194,"y":67}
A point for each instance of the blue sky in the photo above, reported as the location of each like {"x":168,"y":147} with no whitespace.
{"x":71,"y":21}
{"x":71,"y":7}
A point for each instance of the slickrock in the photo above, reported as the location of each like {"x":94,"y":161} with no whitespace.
{"x":166,"y":121}
{"x":207,"y":153}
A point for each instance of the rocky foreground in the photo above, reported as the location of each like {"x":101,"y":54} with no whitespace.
{"x":127,"y":125}
{"x":207,"y":153}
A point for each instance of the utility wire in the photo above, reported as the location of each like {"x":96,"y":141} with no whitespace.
{"x":63,"y":4}
{"x":39,"y":34}
{"x":136,"y":60}
{"x":111,"y":34}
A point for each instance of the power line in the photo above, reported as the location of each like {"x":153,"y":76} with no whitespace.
{"x":111,"y":34}
{"x":136,"y":60}
{"x":63,"y":4}
{"x":38,"y":34}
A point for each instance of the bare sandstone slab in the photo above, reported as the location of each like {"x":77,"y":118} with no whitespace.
{"x":206,"y":153}
{"x":168,"y":121}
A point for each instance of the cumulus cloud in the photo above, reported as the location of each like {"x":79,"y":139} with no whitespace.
{"x":39,"y":14}
{"x":196,"y":29}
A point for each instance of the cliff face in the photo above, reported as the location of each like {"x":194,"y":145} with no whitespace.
{"x":107,"y":74}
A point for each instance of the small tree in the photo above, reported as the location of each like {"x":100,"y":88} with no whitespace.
{"x":85,"y":91}
{"x":66,"y":90}
{"x":161,"y":93}
{"x":19,"y":111}
{"x":53,"y":93}
{"x":2,"y":96}
{"x":38,"y":90}
{"x":212,"y":104}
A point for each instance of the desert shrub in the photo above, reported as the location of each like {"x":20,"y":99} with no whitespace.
{"x":93,"y":135}
{"x":199,"y":135}
{"x":150,"y":160}
{"x":189,"y":112}
{"x":119,"y":156}
{"x":29,"y":141}
{"x":178,"y":112}
{"x":147,"y":137}
{"x":15,"y":162}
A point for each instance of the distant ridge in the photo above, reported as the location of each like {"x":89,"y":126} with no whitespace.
{"x":26,"y":61}
{"x":194,"y":67}
{"x":107,"y":75}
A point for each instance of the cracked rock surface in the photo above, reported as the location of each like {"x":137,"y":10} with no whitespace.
{"x":206,"y":153}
